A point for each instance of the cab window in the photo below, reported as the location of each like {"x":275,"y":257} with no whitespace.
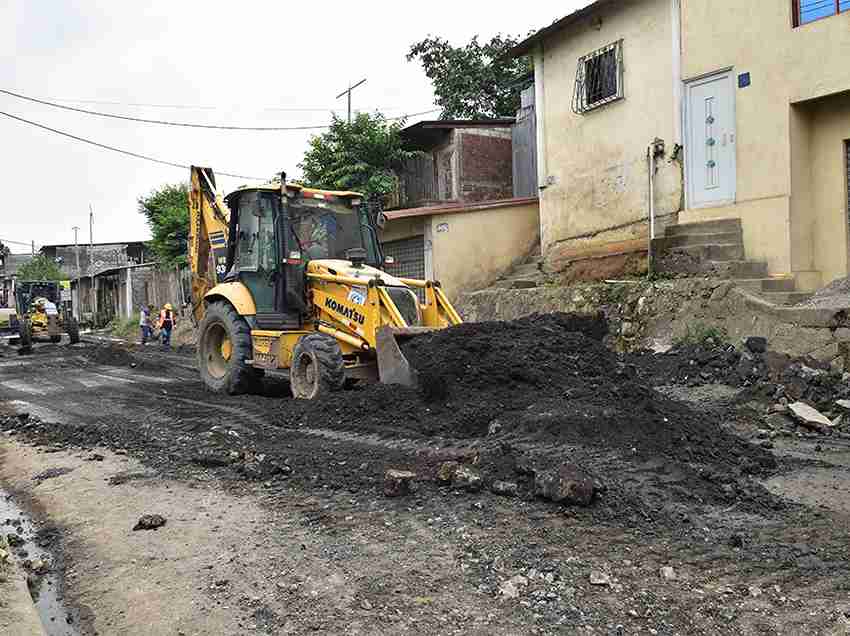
{"x":256,"y":246}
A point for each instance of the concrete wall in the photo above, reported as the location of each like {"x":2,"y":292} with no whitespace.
{"x":470,"y":250}
{"x":406,"y":227}
{"x":776,"y":199}
{"x":830,"y":127}
{"x":593,"y":165}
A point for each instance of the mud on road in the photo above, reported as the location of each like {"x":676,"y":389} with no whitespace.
{"x":694,"y":527}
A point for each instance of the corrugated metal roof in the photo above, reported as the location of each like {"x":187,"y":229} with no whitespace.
{"x":525,"y":47}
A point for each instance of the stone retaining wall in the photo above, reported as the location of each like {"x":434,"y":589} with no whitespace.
{"x":645,"y":314}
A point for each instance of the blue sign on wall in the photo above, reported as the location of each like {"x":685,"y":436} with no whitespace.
{"x":743,"y":80}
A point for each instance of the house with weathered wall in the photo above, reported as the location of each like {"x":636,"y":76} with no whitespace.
{"x":736,"y":113}
{"x":781,"y":71}
{"x":605,"y":90}
{"x":9,"y":266}
{"x":458,"y":161}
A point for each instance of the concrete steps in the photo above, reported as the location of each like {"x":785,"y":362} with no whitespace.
{"x":705,"y":227}
{"x":524,"y":276}
{"x":786,"y":298}
{"x":778,"y":284}
{"x":688,"y":240}
{"x":716,"y":248}
{"x":739,"y":269}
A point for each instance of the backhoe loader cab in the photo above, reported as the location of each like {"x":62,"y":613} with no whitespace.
{"x":289,"y":278}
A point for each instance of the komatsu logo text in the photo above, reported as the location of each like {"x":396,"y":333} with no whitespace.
{"x":348,"y":312}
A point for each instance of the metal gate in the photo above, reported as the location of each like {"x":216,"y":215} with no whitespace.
{"x":409,"y":257}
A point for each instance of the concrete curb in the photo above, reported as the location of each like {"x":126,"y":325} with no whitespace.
{"x":17,"y":610}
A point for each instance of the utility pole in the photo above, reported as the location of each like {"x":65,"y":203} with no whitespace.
{"x":33,"y":248}
{"x":348,"y":92}
{"x":93,"y":296}
{"x":77,"y":255}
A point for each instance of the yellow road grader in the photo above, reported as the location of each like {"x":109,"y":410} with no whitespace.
{"x":288,"y":278}
{"x":38,"y":316}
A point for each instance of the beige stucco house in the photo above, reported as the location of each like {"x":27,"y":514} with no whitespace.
{"x":737,"y":110}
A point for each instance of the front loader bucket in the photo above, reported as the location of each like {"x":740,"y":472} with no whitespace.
{"x":393,"y":367}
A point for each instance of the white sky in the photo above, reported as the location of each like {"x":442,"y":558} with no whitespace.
{"x":241,"y":57}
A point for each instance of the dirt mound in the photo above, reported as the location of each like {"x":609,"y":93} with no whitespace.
{"x":121,"y":355}
{"x":542,"y":387}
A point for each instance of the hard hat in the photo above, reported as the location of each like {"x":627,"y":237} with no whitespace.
{"x":168,"y":306}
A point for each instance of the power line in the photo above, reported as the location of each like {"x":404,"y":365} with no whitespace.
{"x":188,"y":124}
{"x":159,"y":122}
{"x":281,"y":109}
{"x":154,"y":159}
{"x":119,"y":150}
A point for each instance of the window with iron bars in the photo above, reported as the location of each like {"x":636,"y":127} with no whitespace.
{"x":599,"y":78}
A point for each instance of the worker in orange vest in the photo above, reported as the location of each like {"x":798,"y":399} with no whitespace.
{"x":166,"y":324}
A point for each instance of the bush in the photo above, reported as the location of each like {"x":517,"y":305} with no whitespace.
{"x":702,"y":334}
{"x":124,"y":327}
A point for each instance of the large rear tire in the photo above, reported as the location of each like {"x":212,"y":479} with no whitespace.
{"x":317,"y":367}
{"x":224,"y":344}
{"x":25,"y":335}
{"x":73,"y":329}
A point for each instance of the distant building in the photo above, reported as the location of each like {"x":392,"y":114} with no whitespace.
{"x":460,"y":161}
{"x":9,"y":267}
{"x":96,"y":258}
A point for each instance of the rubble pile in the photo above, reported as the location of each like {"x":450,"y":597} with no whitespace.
{"x":802,"y":391}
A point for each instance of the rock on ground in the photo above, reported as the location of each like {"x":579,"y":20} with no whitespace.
{"x":568,"y":485}
{"x":808,"y":416}
{"x":398,"y":482}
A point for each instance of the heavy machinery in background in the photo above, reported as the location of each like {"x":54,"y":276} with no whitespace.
{"x":288,"y":278}
{"x":39,"y":315}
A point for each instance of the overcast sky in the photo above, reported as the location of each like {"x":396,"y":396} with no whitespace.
{"x":241,"y":58}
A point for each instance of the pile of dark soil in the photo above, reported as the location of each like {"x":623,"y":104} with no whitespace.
{"x":539,"y":381}
{"x":121,"y":355}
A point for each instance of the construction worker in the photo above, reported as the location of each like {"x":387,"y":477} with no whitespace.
{"x":166,"y":324}
{"x":145,"y":322}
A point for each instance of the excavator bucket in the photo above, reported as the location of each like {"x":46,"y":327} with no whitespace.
{"x":393,"y":366}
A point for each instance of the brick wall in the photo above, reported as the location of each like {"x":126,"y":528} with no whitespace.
{"x":486,"y":165}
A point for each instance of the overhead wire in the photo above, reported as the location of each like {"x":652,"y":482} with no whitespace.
{"x":161,"y":122}
{"x":137,"y":155}
{"x":122,"y":151}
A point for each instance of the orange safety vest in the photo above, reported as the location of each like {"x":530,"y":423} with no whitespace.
{"x":166,"y":315}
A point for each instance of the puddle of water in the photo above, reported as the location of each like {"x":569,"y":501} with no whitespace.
{"x":46,"y":590}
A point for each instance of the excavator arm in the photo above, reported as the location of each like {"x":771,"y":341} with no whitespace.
{"x":209,"y":219}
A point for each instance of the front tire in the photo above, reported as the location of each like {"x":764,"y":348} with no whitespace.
{"x":73,"y":329}
{"x":25,"y":335}
{"x":317,"y":367}
{"x":224,"y":343}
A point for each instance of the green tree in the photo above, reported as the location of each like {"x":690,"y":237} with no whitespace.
{"x":361,"y":156}
{"x":40,"y":268}
{"x":475,"y":80}
{"x":167,"y":213}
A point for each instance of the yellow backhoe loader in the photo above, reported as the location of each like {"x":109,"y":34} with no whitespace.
{"x":288,"y":278}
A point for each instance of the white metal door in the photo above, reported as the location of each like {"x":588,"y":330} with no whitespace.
{"x":710,"y":142}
